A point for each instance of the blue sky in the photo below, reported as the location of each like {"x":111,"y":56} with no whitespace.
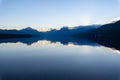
{"x":56,"y":13}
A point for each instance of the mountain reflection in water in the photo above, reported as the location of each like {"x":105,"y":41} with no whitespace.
{"x":65,"y":41}
{"x":58,"y":59}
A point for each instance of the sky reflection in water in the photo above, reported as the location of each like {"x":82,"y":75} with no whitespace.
{"x":54,"y":61}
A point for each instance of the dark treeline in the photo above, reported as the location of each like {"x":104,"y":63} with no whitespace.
{"x":3,"y":36}
{"x":6,"y":34}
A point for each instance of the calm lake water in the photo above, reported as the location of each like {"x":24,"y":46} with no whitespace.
{"x":54,"y":61}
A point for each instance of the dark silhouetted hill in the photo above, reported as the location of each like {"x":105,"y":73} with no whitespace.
{"x":110,"y":31}
{"x":108,"y":35}
{"x":13,"y":34}
{"x":66,"y":31}
{"x":31,"y":31}
{"x":23,"y":33}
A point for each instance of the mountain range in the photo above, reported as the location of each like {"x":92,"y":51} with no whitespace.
{"x":107,"y":35}
{"x":31,"y":31}
{"x":107,"y":31}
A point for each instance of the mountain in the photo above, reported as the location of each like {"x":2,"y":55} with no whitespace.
{"x":13,"y":34}
{"x":10,"y":32}
{"x":110,"y":31}
{"x":66,"y":31}
{"x":85,"y":31}
{"x":31,"y":31}
{"x":107,"y":31}
{"x":108,"y":35}
{"x":23,"y":33}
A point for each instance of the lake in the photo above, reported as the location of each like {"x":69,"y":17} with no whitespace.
{"x":45,"y":60}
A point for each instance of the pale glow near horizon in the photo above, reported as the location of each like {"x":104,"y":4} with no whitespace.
{"x":86,"y":21}
{"x":46,"y":14}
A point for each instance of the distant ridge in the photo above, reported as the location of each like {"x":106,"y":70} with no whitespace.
{"x":107,"y":31}
{"x":111,"y":30}
{"x":13,"y":34}
{"x":31,"y":31}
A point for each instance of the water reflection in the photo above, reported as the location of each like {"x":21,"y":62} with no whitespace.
{"x":55,"y":59}
{"x":65,"y":41}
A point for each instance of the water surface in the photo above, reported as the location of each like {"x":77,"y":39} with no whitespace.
{"x":45,"y":60}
